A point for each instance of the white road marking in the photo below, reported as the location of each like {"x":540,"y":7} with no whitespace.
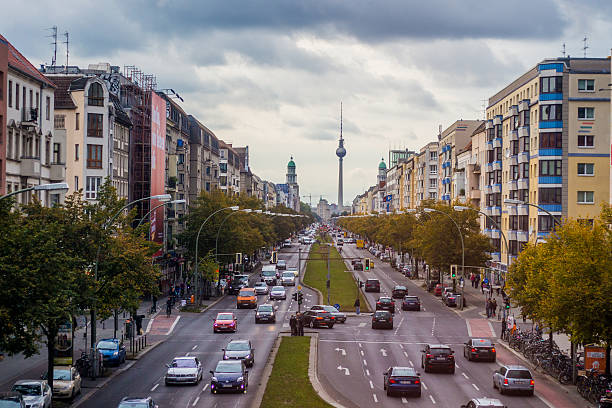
{"x":456,"y":366}
{"x":398,"y":326}
{"x":346,"y":370}
{"x":173,"y":325}
{"x":367,"y":372}
{"x":342,"y":350}
{"x":424,"y":386}
{"x":405,"y":354}
{"x":375,"y":399}
{"x":195,"y":401}
{"x":285,"y":324}
{"x":433,"y":326}
{"x":154,"y":387}
{"x":371,"y":385}
{"x":404,"y":400}
{"x":401,"y":346}
{"x":362,"y":353}
{"x":194,"y":347}
{"x":432,"y":399}
{"x":365,"y":363}
{"x":475,"y":386}
{"x":362,"y":324}
{"x":467,"y":322}
{"x":491,"y":327}
{"x":205,"y":387}
{"x":466,"y":377}
{"x":187,"y":355}
{"x":411,"y":364}
{"x":383,"y":352}
{"x":359,"y":344}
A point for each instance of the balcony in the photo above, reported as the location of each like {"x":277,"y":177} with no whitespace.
{"x":497,"y":120}
{"x":511,"y":235}
{"x":58,"y":172}
{"x":522,"y":236}
{"x":29,"y":117}
{"x":523,"y":105}
{"x":490,"y":145}
{"x":513,"y":111}
{"x":30,"y":166}
{"x":514,"y":160}
{"x":496,"y":188}
{"x":523,"y":131}
{"x":514,"y":135}
{"x":488,"y":189}
{"x":523,"y":183}
{"x":523,"y":157}
{"x":522,"y":209}
{"x":496,"y":211}
{"x":475,"y":194}
{"x":497,"y":142}
{"x":495,"y":256}
{"x":489,"y":124}
{"x":513,"y":185}
{"x":497,"y":165}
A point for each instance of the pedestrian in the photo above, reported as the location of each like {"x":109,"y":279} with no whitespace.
{"x":493,"y":306}
{"x":488,"y":308}
{"x":293,"y":325}
{"x":154,"y":307}
{"x":357,"y":304}
{"x":300,"y":324}
{"x":498,"y":289}
{"x":472,"y":278}
{"x":514,"y":328}
{"x":503,"y":328}
{"x":168,"y":307}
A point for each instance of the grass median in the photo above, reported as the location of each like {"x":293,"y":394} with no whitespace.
{"x":343,"y":287}
{"x":289,"y":385}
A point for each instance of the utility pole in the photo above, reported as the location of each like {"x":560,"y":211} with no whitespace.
{"x":328,"y":278}
{"x":299,"y":275}
{"x":54,"y":43}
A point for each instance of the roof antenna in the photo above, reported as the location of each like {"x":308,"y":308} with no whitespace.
{"x":54,"y":43}
{"x":585,"y":45}
{"x":340,"y":120}
{"x":66,"y":42}
{"x":563,"y":50}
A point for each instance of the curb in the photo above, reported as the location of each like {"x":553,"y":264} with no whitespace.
{"x":267,"y":372}
{"x":313,"y":372}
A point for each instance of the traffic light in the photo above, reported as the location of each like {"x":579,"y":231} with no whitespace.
{"x":300,"y":297}
{"x":367,"y":264}
{"x":238,"y":258}
{"x":453,"y":271}
{"x":274,"y":257}
{"x":295,"y":296}
{"x":507,"y":304}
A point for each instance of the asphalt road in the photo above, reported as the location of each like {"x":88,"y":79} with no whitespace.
{"x":353,"y":357}
{"x":193,"y":336}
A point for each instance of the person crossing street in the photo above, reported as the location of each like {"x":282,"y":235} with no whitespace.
{"x":293,"y":325}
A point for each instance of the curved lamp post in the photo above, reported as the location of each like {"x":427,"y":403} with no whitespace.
{"x":197,"y":278}
{"x":462,"y":208}
{"x":246,"y":210}
{"x":509,"y":201}
{"x":146,"y":216}
{"x":43,"y":187}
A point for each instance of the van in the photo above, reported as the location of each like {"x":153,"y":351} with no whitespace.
{"x":268,"y":274}
{"x":246,"y":298}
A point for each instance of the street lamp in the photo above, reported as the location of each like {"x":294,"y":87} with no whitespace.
{"x":429,"y":210}
{"x":509,"y":201}
{"x":40,"y":187}
{"x":156,"y":207}
{"x":197,"y":277}
{"x":246,"y":210}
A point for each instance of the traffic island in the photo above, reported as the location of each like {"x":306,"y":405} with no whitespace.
{"x":343,"y":287}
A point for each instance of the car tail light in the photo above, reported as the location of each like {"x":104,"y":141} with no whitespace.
{"x":332,"y":317}
{"x":428,"y":355}
{"x":319,"y":318}
{"x":473,"y":350}
{"x":392,"y":381}
{"x":378,"y":303}
{"x":417,"y":382}
{"x":505,"y":381}
{"x":531,"y":382}
{"x":493,"y":350}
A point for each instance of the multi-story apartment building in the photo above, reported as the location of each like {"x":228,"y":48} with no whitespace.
{"x":475,"y":179}
{"x":269,"y":194}
{"x":3,"y":78}
{"x":548,"y":140}
{"x":122,"y":127}
{"x":229,"y":169}
{"x":392,"y":187}
{"x":201,"y":159}
{"x":452,"y":140}
{"x":33,"y":154}
{"x":407,"y":182}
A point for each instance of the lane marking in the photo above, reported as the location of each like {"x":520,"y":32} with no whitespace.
{"x":401,"y":346}
{"x":362,"y":324}
{"x":475,"y":386}
{"x":186,"y":354}
{"x":466,"y":377}
{"x":404,"y":400}
{"x":195,"y":401}
{"x":371,"y":385}
{"x":359,"y":344}
{"x":375,"y":399}
{"x":154,"y":387}
{"x":285,"y":324}
{"x":194,"y":347}
{"x":432,"y":399}
{"x":205,"y":387}
{"x":456,"y":365}
{"x":173,"y":325}
{"x":367,"y":372}
{"x":405,"y":354}
{"x":365,"y":363}
{"x":424,"y":386}
{"x":411,"y":364}
{"x":362,"y":353}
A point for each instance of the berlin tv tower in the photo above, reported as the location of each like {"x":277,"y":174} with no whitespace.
{"x":340,"y":152}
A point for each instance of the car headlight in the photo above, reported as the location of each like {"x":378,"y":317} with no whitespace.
{"x":225,"y":357}
{"x":116,"y":353}
{"x":247,"y":356}
{"x":240,"y":379}
{"x":213,"y":379}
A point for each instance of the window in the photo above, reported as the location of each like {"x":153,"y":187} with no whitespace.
{"x":17,"y":96}
{"x":586,"y":197}
{"x":586,"y":169}
{"x":181,"y":178}
{"x":433,"y":169}
{"x":96,"y":95}
{"x":76,"y":183}
{"x":551,"y":84}
{"x":56,"y":153}
{"x":47,"y":152}
{"x":550,"y":195}
{"x":31,"y":99}
{"x":432,"y":196}
{"x":92,"y":186}
{"x":545,"y":223}
{"x":550,"y":140}
{"x":586,"y":141}
{"x":433,"y":155}
{"x":76,"y":152}
{"x":550,"y":112}
{"x":433,"y":182}
{"x":207,"y":186}
{"x":586,"y":113}
{"x":524,"y":144}
{"x":48,"y":108}
{"x":94,"y":156}
{"x":59,"y":122}
{"x":10,"y":94}
{"x":586,"y":85}
{"x":94,"y":124}
{"x":523,"y":195}
{"x":514,"y":172}
{"x":181,"y":158}
{"x":550,"y":167}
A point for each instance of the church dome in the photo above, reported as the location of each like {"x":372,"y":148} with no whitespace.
{"x":291,"y":163}
{"x":382,"y":165}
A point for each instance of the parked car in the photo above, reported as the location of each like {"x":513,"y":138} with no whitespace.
{"x":450,"y":299}
{"x":318,"y":318}
{"x":35,"y":393}
{"x":11,"y":399}
{"x":385,"y":303}
{"x":137,"y":402}
{"x":513,"y":378}
{"x":411,"y":303}
{"x":281,"y":264}
{"x":288,"y":278}
{"x":287,"y":243}
{"x":66,"y":382}
{"x":399,"y":292}
{"x":479,"y":349}
{"x":112,"y":350}
{"x":358,"y":266}
{"x":372,"y":285}
{"x":229,"y":376}
{"x":265,"y":313}
{"x":438,"y":289}
{"x":438,"y":356}
{"x":184,"y":370}
{"x":484,"y":403}
{"x":278,"y":292}
{"x":406,"y":270}
{"x":402,"y":380}
{"x":246,"y":298}
{"x":382,"y":318}
{"x":261,"y":288}
{"x":240,"y":350}
{"x":339,"y":317}
{"x":225,"y":322}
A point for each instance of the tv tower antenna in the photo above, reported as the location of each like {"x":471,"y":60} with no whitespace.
{"x":66,"y":42}
{"x":563,"y":50}
{"x":54,"y":43}
{"x":585,"y":47}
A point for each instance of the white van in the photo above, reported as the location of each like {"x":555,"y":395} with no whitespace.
{"x":268,"y":274}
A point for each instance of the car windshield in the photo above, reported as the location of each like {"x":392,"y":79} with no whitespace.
{"x":107,"y":345}
{"x":264,"y":308}
{"x":260,"y":285}
{"x":27,"y":389}
{"x":228,"y":367}
{"x":401,"y":371}
{"x":225,"y":316}
{"x":288,"y":275}
{"x":278,"y":288}
{"x":411,"y":298}
{"x":372,"y":281}
{"x":237,"y":346}
{"x":62,"y":375}
{"x":184,"y":363}
{"x":481,"y":342}
{"x":330,"y":309}
{"x":440,"y":351}
{"x":237,"y":282}
{"x":268,"y":273}
{"x":522,"y":374}
{"x":385,"y":300}
{"x":247,"y":293}
{"x":382,"y":314}
{"x":133,"y":405}
{"x":400,"y":288}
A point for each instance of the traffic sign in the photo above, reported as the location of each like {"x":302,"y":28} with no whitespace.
{"x":299,"y":287}
{"x":337,"y":306}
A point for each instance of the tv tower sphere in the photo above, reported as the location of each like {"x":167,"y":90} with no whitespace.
{"x":341,"y":151}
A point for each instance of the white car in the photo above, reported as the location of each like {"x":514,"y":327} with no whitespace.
{"x":184,"y":370}
{"x":278,"y":292}
{"x":288,"y":278}
{"x":261,"y":288}
{"x":36,"y":393}
{"x":294,"y":270}
{"x":66,"y":382}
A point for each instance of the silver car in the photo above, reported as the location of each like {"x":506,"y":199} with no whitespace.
{"x":513,"y":378}
{"x":66,"y":382}
{"x":278,"y":292}
{"x":261,"y":288}
{"x":36,"y":393}
{"x":184,"y":370}
{"x":484,"y":403}
{"x":288,"y":279}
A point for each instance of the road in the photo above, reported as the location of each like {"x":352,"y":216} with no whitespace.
{"x":353,"y":357}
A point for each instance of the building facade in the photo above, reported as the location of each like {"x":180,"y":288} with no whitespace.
{"x":3,"y":102}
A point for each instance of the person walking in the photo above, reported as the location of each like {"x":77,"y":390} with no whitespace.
{"x":503,"y":328}
{"x":300,"y":324}
{"x":488,"y":308}
{"x":293,"y":325}
{"x":357,"y":305}
{"x":168,"y":307}
{"x":493,"y":306}
{"x":472,"y":278}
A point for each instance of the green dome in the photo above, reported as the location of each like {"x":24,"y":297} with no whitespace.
{"x":382,"y":165}
{"x":291,"y":163}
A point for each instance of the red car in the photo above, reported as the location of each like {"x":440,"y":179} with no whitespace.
{"x":438,"y":289}
{"x":225,"y":322}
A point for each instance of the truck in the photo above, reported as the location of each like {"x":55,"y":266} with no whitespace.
{"x":268,"y":274}
{"x":360,"y":243}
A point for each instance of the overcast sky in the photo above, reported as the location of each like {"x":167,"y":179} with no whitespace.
{"x":271,"y":73}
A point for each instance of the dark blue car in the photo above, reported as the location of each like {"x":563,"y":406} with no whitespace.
{"x":402,"y":380}
{"x":229,"y":376}
{"x":112,"y":350}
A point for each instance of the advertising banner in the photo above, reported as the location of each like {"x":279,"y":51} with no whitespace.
{"x":595,"y":358}
{"x":158,"y":163}
{"x":64,"y":345}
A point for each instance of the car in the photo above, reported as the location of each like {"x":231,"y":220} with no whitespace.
{"x":246,"y":298}
{"x":446,"y":291}
{"x":281,"y":264}
{"x":402,"y":380}
{"x":35,"y":393}
{"x":438,"y":356}
{"x":399,"y":292}
{"x":287,"y":243}
{"x":411,"y":303}
{"x":484,"y":403}
{"x":137,"y":402}
{"x":240,"y":350}
{"x":278,"y":293}
{"x":358,"y":266}
{"x":225,"y":322}
{"x":372,"y":285}
{"x":112,"y":350}
{"x":11,"y":399}
{"x":479,"y":349}
{"x":265,"y":313}
{"x":268,"y":274}
{"x":513,"y":378}
{"x":294,"y":270}
{"x":288,"y":278}
{"x":385,"y":303}
{"x":229,"y":375}
{"x":261,"y":288}
{"x":450,"y":299}
{"x":382,"y":318}
{"x":235,"y":286}
{"x":66,"y":382}
{"x":438,"y":289}
{"x":339,"y":317}
{"x":318,"y":318}
{"x":406,"y":270}
{"x":339,"y":242}
{"x":184,"y":370}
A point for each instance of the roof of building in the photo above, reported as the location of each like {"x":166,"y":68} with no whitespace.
{"x":20,"y":63}
{"x":382,"y":165}
{"x":291,"y":163}
{"x":120,"y":115}
{"x":62,"y":97}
